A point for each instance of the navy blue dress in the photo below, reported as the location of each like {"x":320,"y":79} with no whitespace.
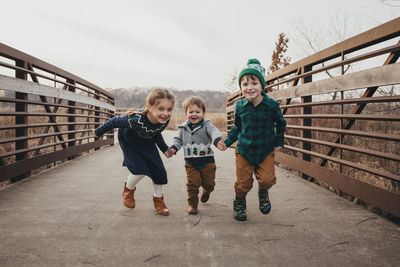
{"x":138,"y":138}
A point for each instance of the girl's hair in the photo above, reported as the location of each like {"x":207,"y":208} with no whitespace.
{"x":156,"y":95}
{"x":194,"y":100}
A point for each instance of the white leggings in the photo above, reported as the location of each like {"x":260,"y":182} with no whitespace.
{"x":133,"y":179}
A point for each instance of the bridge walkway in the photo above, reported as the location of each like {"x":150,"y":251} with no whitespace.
{"x":72,"y":215}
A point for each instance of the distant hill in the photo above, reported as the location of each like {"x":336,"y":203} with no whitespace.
{"x":136,"y":97}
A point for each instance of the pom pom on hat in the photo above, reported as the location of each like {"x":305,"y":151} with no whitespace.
{"x":253,"y":61}
{"x":253,"y":68}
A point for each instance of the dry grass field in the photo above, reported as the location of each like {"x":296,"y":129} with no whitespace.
{"x":217,"y":118}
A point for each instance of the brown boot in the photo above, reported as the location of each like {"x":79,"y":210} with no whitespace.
{"x":160,"y":206}
{"x":128,"y":197}
{"x":205,"y":196}
{"x":192,"y":209}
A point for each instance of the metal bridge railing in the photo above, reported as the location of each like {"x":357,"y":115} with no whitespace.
{"x":46,"y":114}
{"x":343,"y":128}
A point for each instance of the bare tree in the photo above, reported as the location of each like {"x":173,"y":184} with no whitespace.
{"x":232,"y":83}
{"x":314,"y":38}
{"x":279,"y":58}
{"x":394,"y":3}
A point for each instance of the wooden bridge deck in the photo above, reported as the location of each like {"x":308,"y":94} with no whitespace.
{"x":72,"y":215}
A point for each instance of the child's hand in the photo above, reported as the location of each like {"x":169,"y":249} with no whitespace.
{"x":93,"y":132}
{"x":170,"y":152}
{"x":221,"y":145}
{"x":278,"y":149}
{"x":173,"y":151}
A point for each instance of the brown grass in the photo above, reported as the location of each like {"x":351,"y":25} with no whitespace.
{"x":217,"y":118}
{"x":10,"y":120}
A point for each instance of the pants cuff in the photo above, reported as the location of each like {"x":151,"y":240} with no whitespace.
{"x":241,"y":195}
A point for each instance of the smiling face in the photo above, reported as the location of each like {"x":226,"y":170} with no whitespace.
{"x":194,"y":114}
{"x":161,"y":111}
{"x":251,"y":87}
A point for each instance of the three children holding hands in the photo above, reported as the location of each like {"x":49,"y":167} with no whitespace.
{"x":259,"y":131}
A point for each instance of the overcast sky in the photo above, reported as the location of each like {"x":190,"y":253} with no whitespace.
{"x":181,"y":44}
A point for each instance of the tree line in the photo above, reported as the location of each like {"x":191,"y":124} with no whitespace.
{"x":135,"y":97}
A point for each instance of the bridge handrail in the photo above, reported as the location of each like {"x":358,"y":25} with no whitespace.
{"x":343,"y":130}
{"x":47,"y":114}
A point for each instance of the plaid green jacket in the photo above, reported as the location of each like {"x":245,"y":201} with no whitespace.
{"x":259,"y":129}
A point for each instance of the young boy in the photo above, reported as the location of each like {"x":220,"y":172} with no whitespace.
{"x":196,"y":136}
{"x":259,"y":128}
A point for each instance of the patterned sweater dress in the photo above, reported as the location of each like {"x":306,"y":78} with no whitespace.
{"x":138,"y":138}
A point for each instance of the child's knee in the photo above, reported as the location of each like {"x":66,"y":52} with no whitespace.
{"x":208,"y":176}
{"x":193,"y":188}
{"x":266,"y":184}
{"x":194,"y":182}
{"x":243,"y":187}
{"x":193,"y":176}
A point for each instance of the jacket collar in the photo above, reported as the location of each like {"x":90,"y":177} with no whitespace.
{"x":246,"y":101}
{"x":198,"y":126}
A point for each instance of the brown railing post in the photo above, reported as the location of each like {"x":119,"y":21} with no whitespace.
{"x":306,"y":121}
{"x":341,"y":120}
{"x":71,"y":110}
{"x":96,"y":113}
{"x":21,"y":118}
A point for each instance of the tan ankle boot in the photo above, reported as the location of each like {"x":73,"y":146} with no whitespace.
{"x":160,"y":206}
{"x":128,"y":197}
{"x":192,"y":209}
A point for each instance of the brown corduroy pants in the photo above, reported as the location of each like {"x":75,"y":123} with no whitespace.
{"x":204,"y":177}
{"x":264,"y":173}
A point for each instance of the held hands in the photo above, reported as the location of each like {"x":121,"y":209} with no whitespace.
{"x":170,"y":152}
{"x":221,"y":145}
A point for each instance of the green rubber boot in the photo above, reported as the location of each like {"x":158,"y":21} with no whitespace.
{"x":265,"y":204}
{"x":239,"y":209}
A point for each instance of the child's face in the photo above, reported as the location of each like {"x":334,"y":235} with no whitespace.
{"x":161,"y":111}
{"x":194,"y":114}
{"x":251,"y":87}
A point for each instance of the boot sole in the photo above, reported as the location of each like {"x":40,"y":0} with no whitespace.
{"x":156,"y":211}
{"x":240,"y":219}
{"x":265,"y":212}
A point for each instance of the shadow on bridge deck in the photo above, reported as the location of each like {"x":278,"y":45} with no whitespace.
{"x":73,"y":215}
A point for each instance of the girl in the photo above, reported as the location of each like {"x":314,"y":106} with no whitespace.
{"x":138,"y":134}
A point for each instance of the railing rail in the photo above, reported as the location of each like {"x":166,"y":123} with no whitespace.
{"x":343,"y":130}
{"x":47,"y":114}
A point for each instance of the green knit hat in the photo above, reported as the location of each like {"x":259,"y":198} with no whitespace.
{"x":253,"y":67}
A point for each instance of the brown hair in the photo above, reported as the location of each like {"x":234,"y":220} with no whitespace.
{"x":156,"y":95}
{"x":194,"y":100}
{"x":249,"y":77}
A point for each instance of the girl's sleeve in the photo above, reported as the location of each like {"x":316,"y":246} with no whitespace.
{"x":233,"y":133}
{"x":159,"y":140}
{"x":280,"y":126}
{"x":116,"y":122}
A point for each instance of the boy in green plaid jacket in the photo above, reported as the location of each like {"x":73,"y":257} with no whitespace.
{"x":259,"y":129}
